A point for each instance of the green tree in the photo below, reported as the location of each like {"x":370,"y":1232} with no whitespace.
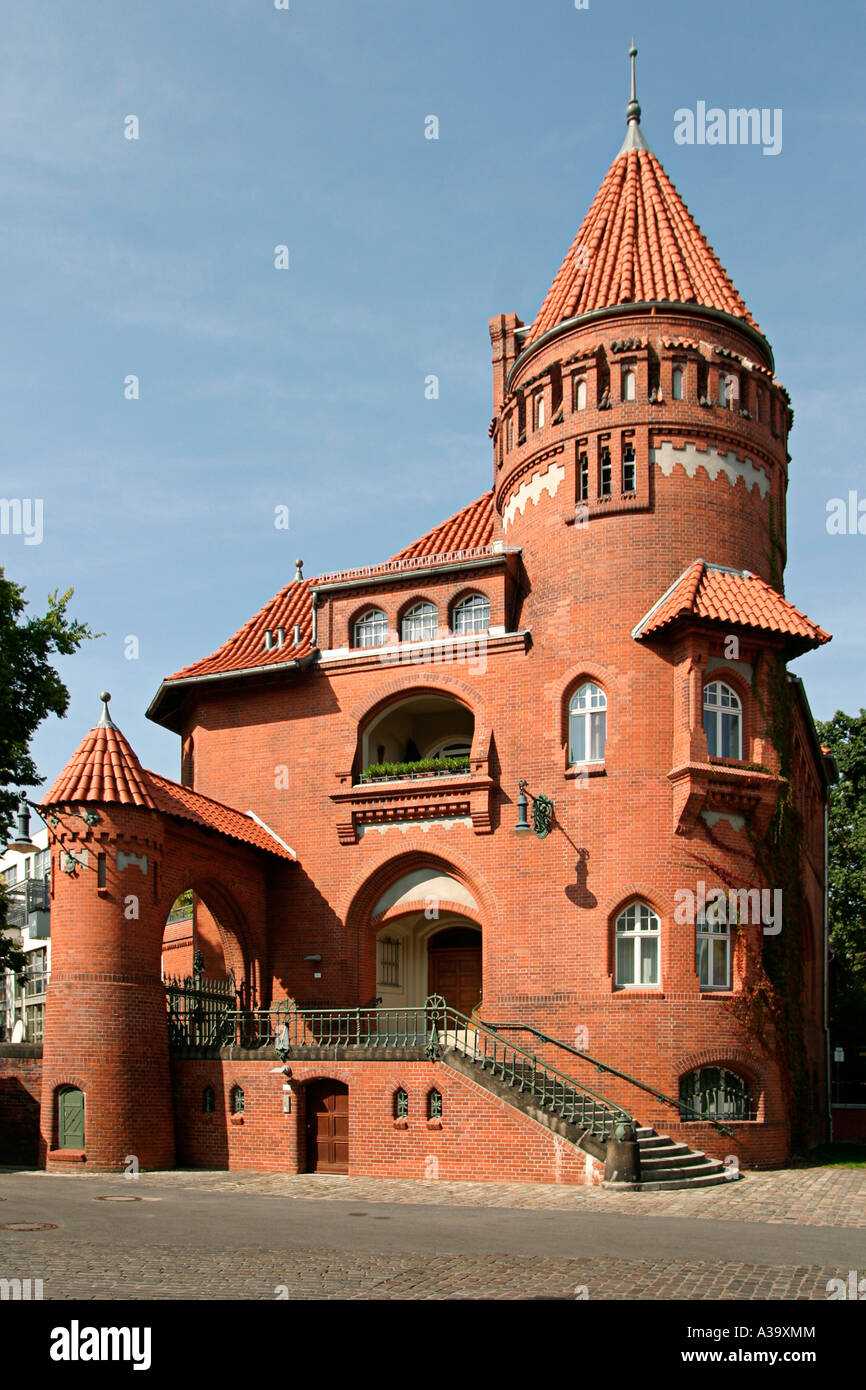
{"x":30,"y":690}
{"x":845,"y":736}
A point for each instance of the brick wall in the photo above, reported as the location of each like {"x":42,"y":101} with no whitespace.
{"x":20,"y":1085}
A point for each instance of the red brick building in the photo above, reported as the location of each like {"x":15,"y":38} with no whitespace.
{"x":545,"y":764}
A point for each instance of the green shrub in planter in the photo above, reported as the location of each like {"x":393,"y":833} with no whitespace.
{"x":460,"y":764}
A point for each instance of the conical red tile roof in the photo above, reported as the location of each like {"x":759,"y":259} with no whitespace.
{"x":105,"y":769}
{"x":638,"y":243}
{"x":736,"y":598}
{"x":102,"y":768}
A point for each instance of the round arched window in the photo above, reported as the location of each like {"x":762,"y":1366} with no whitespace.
{"x":715,"y":1092}
{"x":419,"y":623}
{"x":371,"y":629}
{"x":471,"y":614}
{"x":587,"y":724}
{"x":637,"y":946}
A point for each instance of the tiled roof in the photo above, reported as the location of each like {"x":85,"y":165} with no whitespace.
{"x":467,"y":529}
{"x":470,"y":527}
{"x":637,"y":243}
{"x":247,"y":647}
{"x":736,"y":597}
{"x":105,"y":769}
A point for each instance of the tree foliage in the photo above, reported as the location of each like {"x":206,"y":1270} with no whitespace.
{"x":845,"y":736}
{"x":30,"y":691}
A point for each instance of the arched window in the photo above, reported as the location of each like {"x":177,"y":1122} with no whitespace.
{"x":236,"y":1101}
{"x":729,"y":390}
{"x":401,"y":1104}
{"x":579,"y":393}
{"x":637,"y":946}
{"x":538,"y":410}
{"x":628,"y":385}
{"x":371,"y":629}
{"x":208,"y":1100}
{"x":419,"y":624}
{"x":716,"y":1092}
{"x":723,"y":721}
{"x":434,"y":1105}
{"x":677,"y":384}
{"x":587,"y":724}
{"x":471,"y":614}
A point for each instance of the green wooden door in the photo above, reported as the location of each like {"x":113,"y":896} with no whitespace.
{"x":71,"y":1105}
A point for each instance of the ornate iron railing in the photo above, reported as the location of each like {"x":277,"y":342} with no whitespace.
{"x":434,"y":1028}
{"x":198,"y":1008}
{"x":682,"y":1107}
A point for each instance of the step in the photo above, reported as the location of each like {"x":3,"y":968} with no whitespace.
{"x":677,"y":1184}
{"x":687,"y":1175}
{"x":667,"y":1149}
{"x":686,"y":1160}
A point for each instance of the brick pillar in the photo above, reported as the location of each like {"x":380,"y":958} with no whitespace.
{"x":105,"y":1025}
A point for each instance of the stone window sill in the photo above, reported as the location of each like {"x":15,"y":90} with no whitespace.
{"x":637,"y":992}
{"x":578,"y":771}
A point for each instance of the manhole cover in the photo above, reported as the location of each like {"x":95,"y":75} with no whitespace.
{"x":28,"y":1226}
{"x":117,"y":1199}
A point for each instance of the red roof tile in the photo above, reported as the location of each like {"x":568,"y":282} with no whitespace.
{"x":733,"y":597}
{"x":469,"y":528}
{"x":105,"y":769}
{"x":637,"y":243}
{"x":473,"y":526}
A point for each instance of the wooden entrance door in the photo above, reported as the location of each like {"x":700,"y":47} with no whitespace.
{"x":70,"y":1104}
{"x":454,"y":969}
{"x":327,"y":1127}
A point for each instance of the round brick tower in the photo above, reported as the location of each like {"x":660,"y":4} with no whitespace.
{"x":106,"y":1035}
{"x":640,"y":466}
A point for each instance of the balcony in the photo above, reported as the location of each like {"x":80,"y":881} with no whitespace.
{"x":419,"y":794}
{"x":728,"y":788}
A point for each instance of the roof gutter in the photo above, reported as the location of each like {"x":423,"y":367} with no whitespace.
{"x":300,"y":663}
{"x":666,"y":306}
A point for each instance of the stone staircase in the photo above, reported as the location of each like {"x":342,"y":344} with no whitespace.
{"x":666,"y":1165}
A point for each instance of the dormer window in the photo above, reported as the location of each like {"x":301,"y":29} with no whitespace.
{"x":628,"y":384}
{"x":371,"y":629}
{"x":677,"y":384}
{"x":471,"y":614}
{"x":420,"y":622}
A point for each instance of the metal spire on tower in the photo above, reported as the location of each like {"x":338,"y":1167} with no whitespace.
{"x":634,"y":137}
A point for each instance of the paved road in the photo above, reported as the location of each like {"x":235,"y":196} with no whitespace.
{"x":206,"y":1236}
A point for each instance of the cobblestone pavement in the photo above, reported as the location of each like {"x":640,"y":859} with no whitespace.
{"x":83,"y":1260}
{"x":801,"y":1196}
{"x":80,"y":1270}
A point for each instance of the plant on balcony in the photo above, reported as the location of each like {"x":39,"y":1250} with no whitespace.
{"x":420,"y":767}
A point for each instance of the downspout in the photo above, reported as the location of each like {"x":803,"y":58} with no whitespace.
{"x":827,"y":959}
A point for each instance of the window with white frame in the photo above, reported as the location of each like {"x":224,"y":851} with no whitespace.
{"x":677,"y":385}
{"x":371,"y":629}
{"x":628,"y":385}
{"x":605,"y":474}
{"x":580,"y":393}
{"x":583,"y":478}
{"x":723,"y":724}
{"x":587,"y":724}
{"x":713,"y":950}
{"x":419,"y":623}
{"x":637,"y":946}
{"x":471,"y":614}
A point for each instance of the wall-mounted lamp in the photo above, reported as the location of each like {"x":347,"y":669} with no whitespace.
{"x":22,"y":843}
{"x":542,"y":812}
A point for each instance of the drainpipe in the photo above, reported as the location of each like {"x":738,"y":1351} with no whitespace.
{"x":827,"y":960}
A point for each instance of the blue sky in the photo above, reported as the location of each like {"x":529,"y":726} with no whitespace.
{"x":305,"y":127}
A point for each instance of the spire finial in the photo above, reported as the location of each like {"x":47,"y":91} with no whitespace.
{"x":632,"y":111}
{"x":105,"y":720}
{"x":299,"y":571}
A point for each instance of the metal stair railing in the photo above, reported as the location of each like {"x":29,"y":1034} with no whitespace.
{"x":679,"y":1106}
{"x":436,"y":1028}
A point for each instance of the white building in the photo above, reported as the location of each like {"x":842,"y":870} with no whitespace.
{"x":22,"y":1001}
